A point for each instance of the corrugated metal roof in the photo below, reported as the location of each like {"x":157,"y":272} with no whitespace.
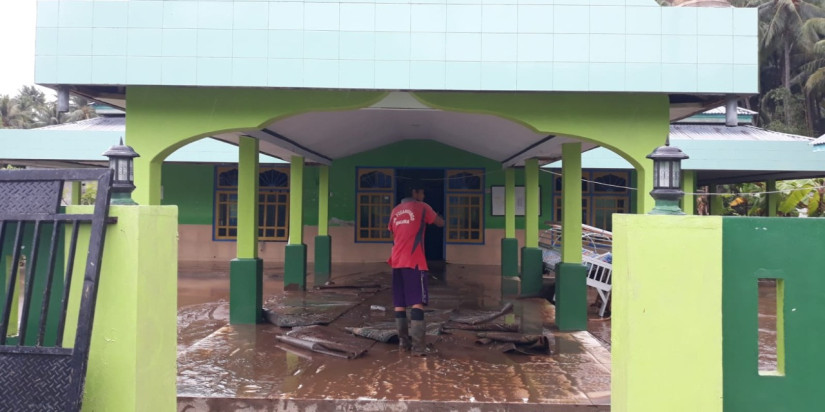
{"x":723,"y":110}
{"x":722,"y":132}
{"x":96,"y":124}
{"x":818,"y":141}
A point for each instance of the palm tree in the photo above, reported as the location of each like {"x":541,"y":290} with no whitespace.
{"x":79,"y":109}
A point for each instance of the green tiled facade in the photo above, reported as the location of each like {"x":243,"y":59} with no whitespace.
{"x":541,"y":45}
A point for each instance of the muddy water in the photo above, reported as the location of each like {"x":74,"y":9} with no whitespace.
{"x":246,"y":361}
{"x":767,"y":325}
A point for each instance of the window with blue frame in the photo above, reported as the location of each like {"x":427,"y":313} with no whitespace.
{"x":465,"y":206}
{"x":603,"y":194}
{"x":273,"y":203}
{"x":375,"y":197}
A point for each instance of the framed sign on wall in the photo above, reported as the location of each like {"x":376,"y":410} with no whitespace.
{"x":497,"y":200}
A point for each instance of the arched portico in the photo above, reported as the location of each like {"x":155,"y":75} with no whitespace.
{"x":321,"y":126}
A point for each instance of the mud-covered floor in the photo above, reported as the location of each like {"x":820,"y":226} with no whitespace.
{"x":223,"y":367}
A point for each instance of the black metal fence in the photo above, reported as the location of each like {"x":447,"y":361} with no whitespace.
{"x":39,"y":372}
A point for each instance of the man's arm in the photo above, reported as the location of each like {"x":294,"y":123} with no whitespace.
{"x":431,"y":217}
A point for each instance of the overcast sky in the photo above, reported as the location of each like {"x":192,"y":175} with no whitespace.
{"x":17,"y":22}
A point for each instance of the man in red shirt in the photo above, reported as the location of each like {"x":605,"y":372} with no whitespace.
{"x":408,"y":222}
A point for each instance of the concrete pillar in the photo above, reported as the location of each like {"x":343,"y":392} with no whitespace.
{"x":75,"y":195}
{"x":295,"y":257}
{"x":246,"y":271}
{"x":689,"y":187}
{"x":531,"y":262}
{"x":509,"y":245}
{"x":133,"y":352}
{"x":323,"y":242}
{"x":571,"y":275}
{"x":773,"y":198}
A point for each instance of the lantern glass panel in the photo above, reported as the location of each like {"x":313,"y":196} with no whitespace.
{"x":664,"y":174}
{"x":122,"y":170}
{"x":677,"y":178}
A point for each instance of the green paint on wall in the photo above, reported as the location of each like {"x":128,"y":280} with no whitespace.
{"x":667,"y":314}
{"x":424,"y":154}
{"x":247,"y":240}
{"x":571,"y":203}
{"x":689,"y":187}
{"x":245,"y":290}
{"x":774,"y":248}
{"x":132,"y":361}
{"x":191,"y":188}
{"x":571,"y":296}
{"x":531,"y":203}
{"x":510,"y":203}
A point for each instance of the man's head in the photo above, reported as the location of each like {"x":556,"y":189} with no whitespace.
{"x":417,"y":190}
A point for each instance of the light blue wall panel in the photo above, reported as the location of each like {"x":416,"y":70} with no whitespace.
{"x":428,"y":75}
{"x":249,"y":72}
{"x":463,"y":75}
{"x":357,"y":74}
{"x":535,"y":76}
{"x":144,"y":70}
{"x":357,"y":46}
{"x":680,"y":77}
{"x":74,"y":41}
{"x":214,"y":43}
{"x":178,"y":15}
{"x":109,"y":42}
{"x":252,"y":43}
{"x":536,"y":18}
{"x":569,"y":45}
{"x":428,"y":46}
{"x":46,"y":41}
{"x":645,"y":77}
{"x":428,"y":18}
{"x":111,"y":14}
{"x":48,"y":13}
{"x":607,"y":77}
{"x":180,"y":42}
{"x":109,"y":69}
{"x":212,"y":71}
{"x":251,"y":15}
{"x":285,"y":72}
{"x":607,"y":19}
{"x":75,"y":14}
{"x":535,"y":48}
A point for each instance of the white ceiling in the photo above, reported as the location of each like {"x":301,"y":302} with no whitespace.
{"x":323,"y":136}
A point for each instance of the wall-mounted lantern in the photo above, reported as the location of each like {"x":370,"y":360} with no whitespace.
{"x":121,"y":160}
{"x":667,"y":179}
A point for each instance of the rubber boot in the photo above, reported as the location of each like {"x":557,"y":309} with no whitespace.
{"x":418,"y":332}
{"x":404,"y":343}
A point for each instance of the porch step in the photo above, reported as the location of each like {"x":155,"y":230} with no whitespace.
{"x":371,"y":405}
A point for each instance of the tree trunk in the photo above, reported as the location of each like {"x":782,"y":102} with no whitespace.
{"x":786,"y":81}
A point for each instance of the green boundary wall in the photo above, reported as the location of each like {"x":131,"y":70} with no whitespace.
{"x":790,"y":250}
{"x":667,"y":313}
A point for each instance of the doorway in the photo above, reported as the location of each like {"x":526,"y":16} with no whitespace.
{"x":433,"y":180}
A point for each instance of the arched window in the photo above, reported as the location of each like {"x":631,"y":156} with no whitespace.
{"x":273,"y":203}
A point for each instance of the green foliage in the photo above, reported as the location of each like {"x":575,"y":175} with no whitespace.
{"x":31,"y":108}
{"x":784,"y":112}
{"x":89,"y":194}
{"x":802,"y":195}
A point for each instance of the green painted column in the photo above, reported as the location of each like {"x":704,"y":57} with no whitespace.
{"x":773,"y":198}
{"x":531,"y":262}
{"x":323,"y":242}
{"x":134,"y":340}
{"x":246,"y":271}
{"x":510,"y":283}
{"x":295,"y":256}
{"x":75,"y":199}
{"x":571,"y":275}
{"x":689,"y":187}
{"x":716,"y":204}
